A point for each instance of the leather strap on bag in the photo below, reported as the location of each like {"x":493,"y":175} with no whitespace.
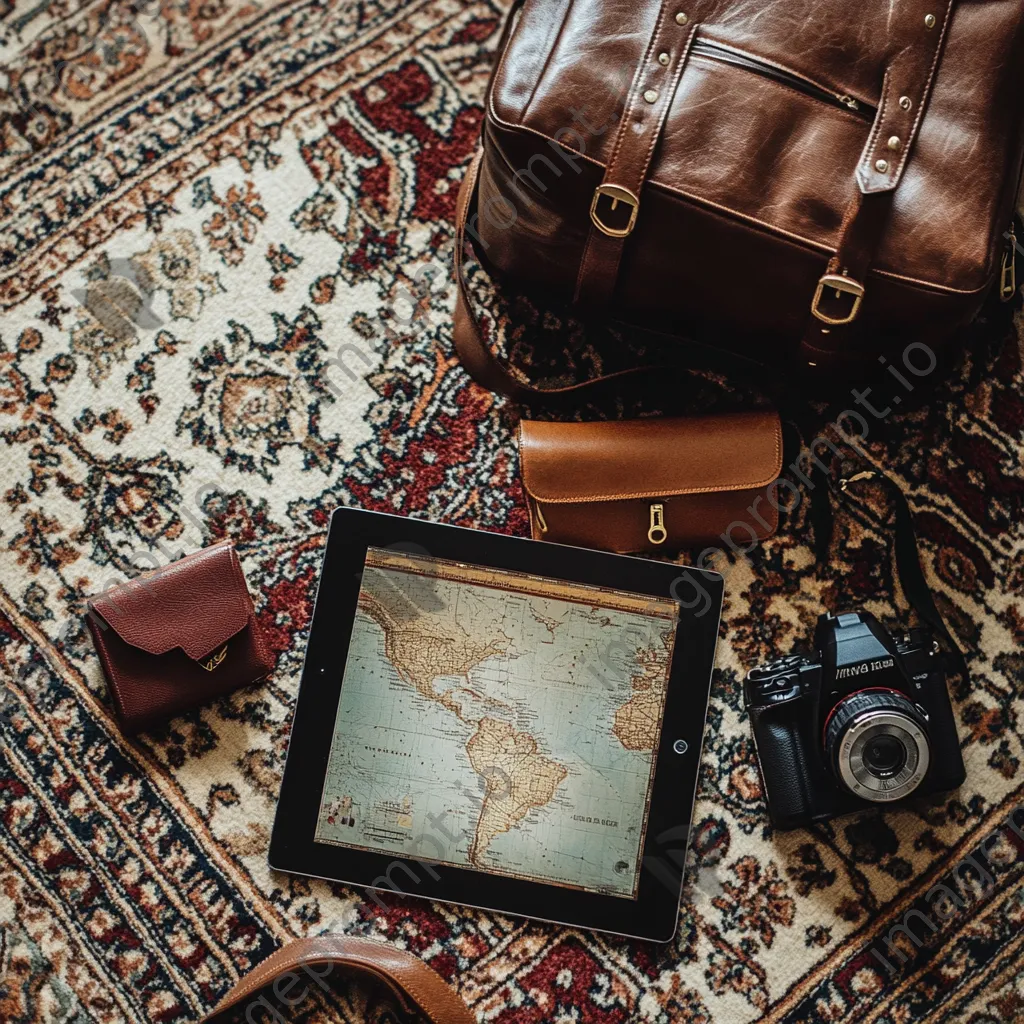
{"x":471,"y":346}
{"x":625,"y":173}
{"x":905,"y":92}
{"x":490,"y":372}
{"x":415,"y":986}
{"x":616,"y":201}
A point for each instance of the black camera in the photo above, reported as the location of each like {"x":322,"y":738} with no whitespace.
{"x":866,"y":722}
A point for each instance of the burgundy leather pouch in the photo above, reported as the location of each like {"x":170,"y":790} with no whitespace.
{"x":173,"y":639}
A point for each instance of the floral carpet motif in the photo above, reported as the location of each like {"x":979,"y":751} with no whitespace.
{"x":225,"y":244}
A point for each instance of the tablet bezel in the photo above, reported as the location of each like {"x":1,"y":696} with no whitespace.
{"x":653,"y":914}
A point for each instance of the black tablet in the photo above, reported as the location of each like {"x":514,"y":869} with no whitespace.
{"x":499,"y":722}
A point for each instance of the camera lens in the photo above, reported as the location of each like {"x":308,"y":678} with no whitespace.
{"x":884,"y":755}
{"x":877,"y":743}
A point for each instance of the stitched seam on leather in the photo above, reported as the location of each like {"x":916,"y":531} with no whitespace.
{"x":635,"y":88}
{"x":926,"y":93}
{"x":273,"y":967}
{"x":876,"y":128}
{"x":616,"y":245}
{"x":872,"y":139}
{"x":666,"y":106}
{"x":500,"y":123}
{"x":932,"y":285}
{"x":696,"y":197}
{"x":589,"y":499}
{"x":278,"y":964}
{"x":708,"y":489}
{"x":577,"y":499}
{"x":594,"y":237}
{"x":750,"y":220}
{"x":897,"y":172}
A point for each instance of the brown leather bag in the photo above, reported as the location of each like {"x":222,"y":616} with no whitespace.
{"x":815,"y":182}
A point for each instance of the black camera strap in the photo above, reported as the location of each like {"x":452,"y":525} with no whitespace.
{"x":908,"y":565}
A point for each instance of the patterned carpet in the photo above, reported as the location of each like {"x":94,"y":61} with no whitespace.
{"x":222,"y":229}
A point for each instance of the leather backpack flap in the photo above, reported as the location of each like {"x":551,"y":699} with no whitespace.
{"x":171,"y":639}
{"x":652,"y":484}
{"x":775,"y":132}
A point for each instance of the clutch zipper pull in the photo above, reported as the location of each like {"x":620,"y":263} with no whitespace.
{"x":1008,"y":276}
{"x":541,"y":522}
{"x":657,"y":534}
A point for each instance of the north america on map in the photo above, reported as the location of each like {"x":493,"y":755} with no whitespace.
{"x":499,"y":722}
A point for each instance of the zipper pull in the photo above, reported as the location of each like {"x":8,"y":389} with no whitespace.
{"x":657,"y":534}
{"x":541,"y":522}
{"x":1008,"y":276}
{"x":848,"y":101}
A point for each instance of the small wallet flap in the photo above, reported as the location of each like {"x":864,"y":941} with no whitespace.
{"x":648,"y":458}
{"x":196,"y":603}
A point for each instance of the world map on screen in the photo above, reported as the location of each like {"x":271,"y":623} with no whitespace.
{"x":498,"y":721}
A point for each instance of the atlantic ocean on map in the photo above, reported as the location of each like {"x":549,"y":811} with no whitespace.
{"x":499,"y":722}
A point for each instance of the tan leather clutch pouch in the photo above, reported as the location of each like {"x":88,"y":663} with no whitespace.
{"x":652,"y":485}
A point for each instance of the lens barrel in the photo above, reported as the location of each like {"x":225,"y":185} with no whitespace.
{"x":877,"y":743}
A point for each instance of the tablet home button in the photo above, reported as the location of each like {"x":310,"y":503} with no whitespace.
{"x":680,"y":746}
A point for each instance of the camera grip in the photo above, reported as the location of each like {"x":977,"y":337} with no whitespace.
{"x":788,"y":767}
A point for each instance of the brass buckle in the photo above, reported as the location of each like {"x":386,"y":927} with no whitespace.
{"x":841,"y":284}
{"x":617,"y":194}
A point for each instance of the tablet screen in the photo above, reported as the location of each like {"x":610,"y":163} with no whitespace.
{"x":499,"y":721}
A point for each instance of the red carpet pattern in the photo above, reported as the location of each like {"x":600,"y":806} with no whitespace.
{"x":225,"y":254}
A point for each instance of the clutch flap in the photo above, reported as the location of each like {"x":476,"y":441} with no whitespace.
{"x":649,"y":458}
{"x":196,"y":603}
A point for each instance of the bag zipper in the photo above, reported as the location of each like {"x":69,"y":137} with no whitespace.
{"x":716,"y":51}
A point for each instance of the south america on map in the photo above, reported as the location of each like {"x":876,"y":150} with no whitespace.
{"x":498,"y":721}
